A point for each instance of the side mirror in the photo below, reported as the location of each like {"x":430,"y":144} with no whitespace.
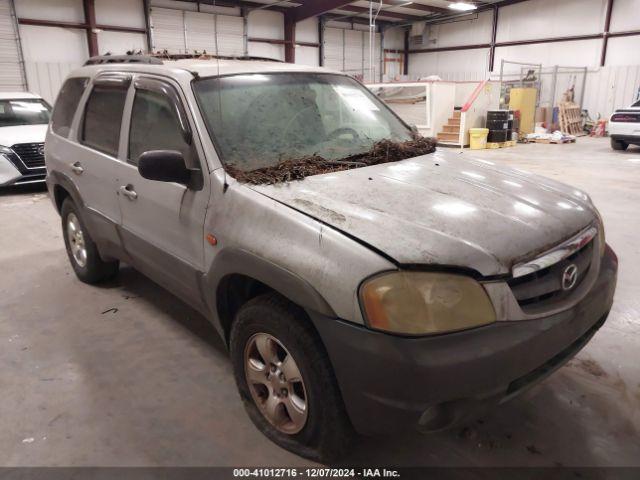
{"x":164,"y":166}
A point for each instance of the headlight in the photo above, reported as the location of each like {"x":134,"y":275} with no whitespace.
{"x":5,"y":150}
{"x":419,"y":303}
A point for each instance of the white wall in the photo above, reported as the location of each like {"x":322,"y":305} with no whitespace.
{"x":623,"y":51}
{"x":606,"y":89}
{"x":625,"y":15}
{"x":579,"y":53}
{"x":126,"y":13}
{"x":534,"y":19}
{"x":307,"y":31}
{"x":550,"y":18}
{"x":609,"y":88}
{"x":454,"y":65}
{"x":268,"y":25}
{"x":119,"y":43}
{"x":461,"y":32}
{"x":58,"y":10}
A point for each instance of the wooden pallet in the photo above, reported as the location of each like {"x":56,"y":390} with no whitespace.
{"x":510,"y":143}
{"x":548,"y":141}
{"x":570,"y":117}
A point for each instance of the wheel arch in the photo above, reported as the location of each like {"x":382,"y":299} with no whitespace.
{"x":63,"y":187}
{"x":236,"y":276}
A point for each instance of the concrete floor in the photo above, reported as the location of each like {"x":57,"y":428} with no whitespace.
{"x":126,"y":374}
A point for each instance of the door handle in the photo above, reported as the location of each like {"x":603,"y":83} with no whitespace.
{"x":128,"y":192}
{"x":77,"y":168}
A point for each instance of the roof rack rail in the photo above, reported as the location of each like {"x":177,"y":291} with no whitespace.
{"x":102,"y":59}
{"x":164,"y":55}
{"x":157,"y":58}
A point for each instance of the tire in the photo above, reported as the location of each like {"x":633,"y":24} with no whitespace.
{"x":619,"y":144}
{"x":89,"y":267}
{"x":327,"y":432}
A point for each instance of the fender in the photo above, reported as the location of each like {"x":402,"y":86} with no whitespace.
{"x":237,"y":261}
{"x":56,"y":178}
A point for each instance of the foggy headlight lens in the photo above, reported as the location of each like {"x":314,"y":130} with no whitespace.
{"x":419,"y":303}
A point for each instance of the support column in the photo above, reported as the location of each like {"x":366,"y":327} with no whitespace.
{"x":90,"y":20}
{"x":321,"y":40}
{"x":494,"y":33}
{"x":289,"y":38}
{"x":605,"y":36}
{"x":405,"y":67}
{"x":147,"y":21}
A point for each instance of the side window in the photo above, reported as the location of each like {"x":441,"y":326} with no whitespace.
{"x":102,"y":118}
{"x":66,"y":104}
{"x":155,"y":126}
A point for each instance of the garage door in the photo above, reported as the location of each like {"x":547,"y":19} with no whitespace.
{"x":11,"y":74}
{"x":348,"y":51}
{"x":334,"y":48}
{"x":179,"y":31}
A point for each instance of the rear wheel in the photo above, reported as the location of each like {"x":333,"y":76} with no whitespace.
{"x":286,"y":381}
{"x":81,"y":249}
{"x":619,"y":144}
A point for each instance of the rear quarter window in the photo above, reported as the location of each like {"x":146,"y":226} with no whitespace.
{"x":66,"y":105}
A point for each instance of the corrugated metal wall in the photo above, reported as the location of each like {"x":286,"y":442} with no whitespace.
{"x":179,"y":31}
{"x":610,"y":88}
{"x":348,"y":51}
{"x":11,"y":72}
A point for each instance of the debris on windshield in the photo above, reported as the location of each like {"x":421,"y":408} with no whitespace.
{"x":384,"y":151}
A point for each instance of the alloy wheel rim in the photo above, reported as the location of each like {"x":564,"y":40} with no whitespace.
{"x":275,"y":383}
{"x":76,"y":240}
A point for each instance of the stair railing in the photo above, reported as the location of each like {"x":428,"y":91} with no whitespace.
{"x":467,"y":105}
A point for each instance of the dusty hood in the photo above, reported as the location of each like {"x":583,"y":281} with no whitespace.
{"x":442,"y":209}
{"x":22,"y":134}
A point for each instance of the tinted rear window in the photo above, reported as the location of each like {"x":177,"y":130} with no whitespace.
{"x":102,"y":118}
{"x":66,"y":105}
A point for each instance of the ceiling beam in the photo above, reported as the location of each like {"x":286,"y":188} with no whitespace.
{"x":383,"y":13}
{"x":314,"y":8}
{"x":417,"y":6}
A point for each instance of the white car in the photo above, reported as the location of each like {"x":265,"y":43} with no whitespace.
{"x":23,"y":125}
{"x":624,"y":127}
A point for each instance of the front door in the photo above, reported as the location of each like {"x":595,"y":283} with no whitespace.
{"x":162,"y":223}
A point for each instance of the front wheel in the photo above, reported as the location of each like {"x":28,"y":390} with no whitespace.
{"x":81,"y":249}
{"x":286,"y":381}
{"x":619,"y":144}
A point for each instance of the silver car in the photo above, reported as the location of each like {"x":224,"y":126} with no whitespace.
{"x":354,"y":296}
{"x":23,"y":126}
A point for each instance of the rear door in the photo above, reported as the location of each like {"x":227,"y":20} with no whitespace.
{"x":90,"y":156}
{"x":162,"y":223}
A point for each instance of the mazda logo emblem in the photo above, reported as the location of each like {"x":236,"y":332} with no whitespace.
{"x":41,"y":150}
{"x":569,"y":277}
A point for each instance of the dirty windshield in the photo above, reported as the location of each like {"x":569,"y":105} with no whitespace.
{"x":260,"y":121}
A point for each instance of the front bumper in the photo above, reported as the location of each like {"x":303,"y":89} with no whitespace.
{"x":12,"y":174}
{"x":391,"y":383}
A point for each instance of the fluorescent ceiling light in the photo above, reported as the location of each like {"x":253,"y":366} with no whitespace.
{"x":462,"y":6}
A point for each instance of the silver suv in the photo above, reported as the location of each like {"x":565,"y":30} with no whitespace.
{"x":354,"y":295}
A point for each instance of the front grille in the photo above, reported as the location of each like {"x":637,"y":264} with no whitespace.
{"x":31,"y":154}
{"x":543,"y":288}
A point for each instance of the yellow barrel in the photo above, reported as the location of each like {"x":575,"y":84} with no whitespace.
{"x":478,"y":138}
